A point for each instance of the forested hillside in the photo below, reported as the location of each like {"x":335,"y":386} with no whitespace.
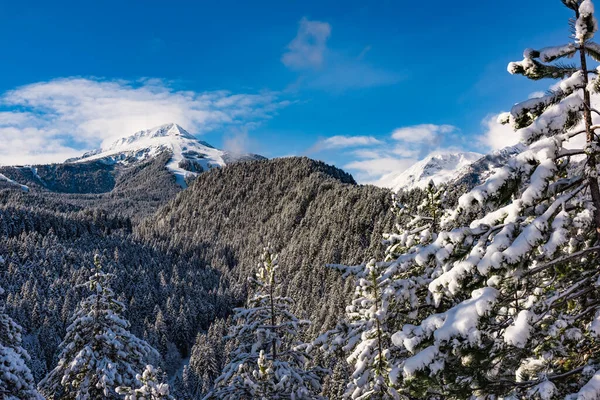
{"x":313,"y":214}
{"x":186,"y":265}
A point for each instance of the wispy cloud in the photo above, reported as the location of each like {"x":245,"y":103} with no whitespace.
{"x":239,"y":141}
{"x":425,"y":133}
{"x":372,"y":158}
{"x":51,"y":121}
{"x":321,"y":67}
{"x":341,"y":142}
{"x":308,"y":48}
{"x":371,"y":170}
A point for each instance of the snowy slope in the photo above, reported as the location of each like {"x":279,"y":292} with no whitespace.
{"x":190,"y":156}
{"x":477,"y":172}
{"x":4,"y":178}
{"x":440,"y":167}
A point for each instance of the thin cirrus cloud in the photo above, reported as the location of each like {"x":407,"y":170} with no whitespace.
{"x":425,"y":133}
{"x":308,"y":48}
{"x":50,"y":121}
{"x":321,"y":67}
{"x":372,"y":158}
{"x":342,"y":142}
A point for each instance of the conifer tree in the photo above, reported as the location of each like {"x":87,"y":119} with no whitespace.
{"x":16,"y":380}
{"x":270,"y":361}
{"x":501,"y":300}
{"x":98,"y":353}
{"x":370,"y":321}
{"x":150,"y":387}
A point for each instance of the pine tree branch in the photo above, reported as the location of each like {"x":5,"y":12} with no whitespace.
{"x":527,"y":384}
{"x":570,"y":153}
{"x":561,"y":260}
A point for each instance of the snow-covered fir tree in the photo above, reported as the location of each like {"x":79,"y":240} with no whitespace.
{"x":502,"y":300}
{"x":98,"y":353}
{"x":150,"y":388}
{"x":366,"y":333}
{"x":270,"y":361}
{"x":16,"y":380}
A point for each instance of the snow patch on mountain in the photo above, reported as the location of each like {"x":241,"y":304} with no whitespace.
{"x":437,"y":167}
{"x":6,"y":179}
{"x":190,"y":156}
{"x":479,"y":171}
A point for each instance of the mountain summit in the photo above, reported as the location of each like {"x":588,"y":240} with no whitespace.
{"x":171,"y":130}
{"x":190,"y":156}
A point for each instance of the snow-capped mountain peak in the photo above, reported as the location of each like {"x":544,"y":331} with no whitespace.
{"x":190,"y":156}
{"x":437,"y":167}
{"x":171,"y":130}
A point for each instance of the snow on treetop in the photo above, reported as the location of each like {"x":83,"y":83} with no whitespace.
{"x":586,"y":25}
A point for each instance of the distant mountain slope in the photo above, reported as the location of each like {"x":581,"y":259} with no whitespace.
{"x":134,"y":191}
{"x":460,"y":169}
{"x":190,"y":156}
{"x":478,"y":171}
{"x":439,"y":168}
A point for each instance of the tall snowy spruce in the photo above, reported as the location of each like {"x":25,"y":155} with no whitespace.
{"x":98,"y":353}
{"x":500,"y":298}
{"x":16,"y":380}
{"x":270,"y":361}
{"x":366,"y":334}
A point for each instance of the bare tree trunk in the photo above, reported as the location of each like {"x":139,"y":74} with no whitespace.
{"x":272,"y":312}
{"x":591,"y":160}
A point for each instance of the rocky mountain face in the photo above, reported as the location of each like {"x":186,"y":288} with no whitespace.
{"x":462,"y":169}
{"x":439,"y":168}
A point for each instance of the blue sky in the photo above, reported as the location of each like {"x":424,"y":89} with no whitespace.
{"x":343,"y":81}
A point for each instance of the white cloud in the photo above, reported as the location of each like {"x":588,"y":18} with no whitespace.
{"x":308,"y":48}
{"x":51,"y":121}
{"x":340,"y":141}
{"x":497,"y":136}
{"x":424,"y":133}
{"x":321,"y":67}
{"x":238,"y":141}
{"x":405,"y":152}
{"x":371,"y":170}
{"x":375,"y":158}
{"x":365,"y":153}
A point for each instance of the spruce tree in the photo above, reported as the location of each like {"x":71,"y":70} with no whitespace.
{"x":270,"y":361}
{"x":98,"y":353}
{"x":16,"y":380}
{"x":150,"y":387}
{"x":500,"y":300}
{"x":371,"y":320}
